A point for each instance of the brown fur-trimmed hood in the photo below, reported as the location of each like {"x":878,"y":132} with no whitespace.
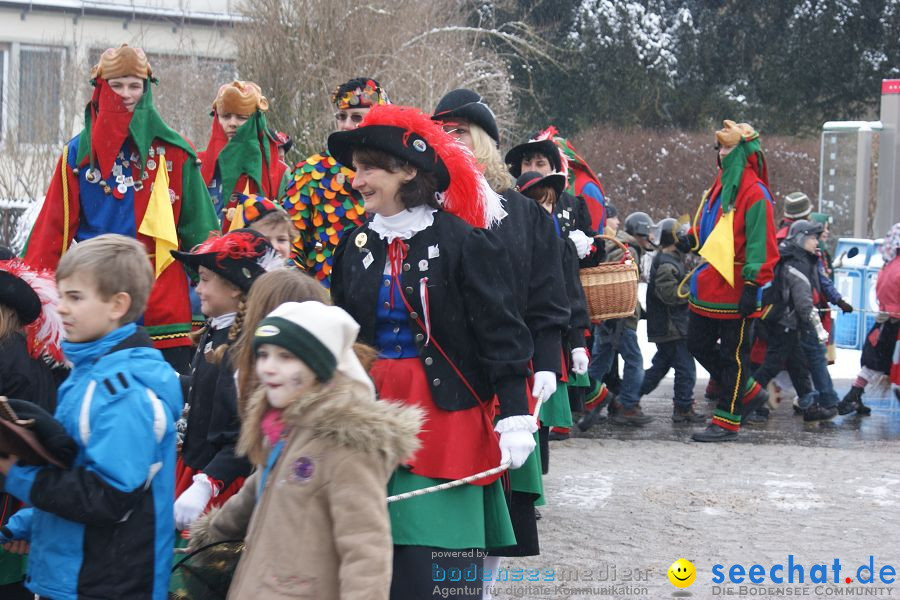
{"x":343,"y":412}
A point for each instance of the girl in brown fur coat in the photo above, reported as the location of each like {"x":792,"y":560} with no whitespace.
{"x":314,"y":514}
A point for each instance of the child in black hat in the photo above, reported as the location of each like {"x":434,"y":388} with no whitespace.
{"x":207,"y":468}
{"x":30,"y":334}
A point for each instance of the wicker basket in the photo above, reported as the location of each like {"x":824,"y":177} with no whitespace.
{"x":611,"y":288}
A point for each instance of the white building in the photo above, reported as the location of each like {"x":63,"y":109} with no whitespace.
{"x":46,"y":51}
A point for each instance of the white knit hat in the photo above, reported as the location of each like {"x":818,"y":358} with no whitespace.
{"x":321,"y":336}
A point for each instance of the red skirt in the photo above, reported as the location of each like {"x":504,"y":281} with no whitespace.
{"x":454,"y":443}
{"x":184,"y":477}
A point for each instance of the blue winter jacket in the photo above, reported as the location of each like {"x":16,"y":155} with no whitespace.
{"x":105,"y":527}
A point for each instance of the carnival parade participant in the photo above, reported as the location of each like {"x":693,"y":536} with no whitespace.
{"x":430,"y":290}
{"x":208,"y":471}
{"x":241,"y":156}
{"x":319,"y":195}
{"x":128,"y":172}
{"x":545,"y":191}
{"x":735,"y":232}
{"x":667,"y":323}
{"x":30,"y":335}
{"x":264,"y":216}
{"x":527,"y":234}
{"x":99,"y":521}
{"x":314,"y":424}
{"x":882,"y":347}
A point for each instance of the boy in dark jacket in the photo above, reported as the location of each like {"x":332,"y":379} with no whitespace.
{"x":667,"y":319}
{"x":104,"y":528}
{"x":792,"y":312}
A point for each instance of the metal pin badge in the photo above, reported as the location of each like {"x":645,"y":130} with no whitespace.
{"x":361,"y":240}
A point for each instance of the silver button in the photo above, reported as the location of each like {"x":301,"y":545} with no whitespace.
{"x":396,"y":330}
{"x":406,"y":267}
{"x":429,"y":361}
{"x":409,"y":289}
{"x":436,"y":382}
{"x":414,"y":315}
{"x":387,"y":283}
{"x":387,"y":305}
{"x":419,"y":337}
{"x":398,"y":348}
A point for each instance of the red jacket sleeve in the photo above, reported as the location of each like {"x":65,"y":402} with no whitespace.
{"x":58,"y":220}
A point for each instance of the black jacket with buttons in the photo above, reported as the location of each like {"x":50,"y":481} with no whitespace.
{"x":572,"y":213}
{"x":472,"y":310}
{"x":530,"y":240}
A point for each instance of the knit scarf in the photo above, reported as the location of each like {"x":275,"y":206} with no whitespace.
{"x":747,"y":152}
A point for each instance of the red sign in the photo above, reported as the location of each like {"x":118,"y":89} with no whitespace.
{"x":890,"y":86}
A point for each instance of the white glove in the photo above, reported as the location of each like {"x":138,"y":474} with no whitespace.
{"x":582,"y":242}
{"x":546,"y":381}
{"x":580,"y":361}
{"x":192,"y":501}
{"x":516,"y":439}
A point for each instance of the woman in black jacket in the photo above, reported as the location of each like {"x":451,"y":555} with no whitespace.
{"x":431,"y":291}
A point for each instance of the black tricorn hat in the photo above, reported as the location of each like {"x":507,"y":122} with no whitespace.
{"x":546,"y":147}
{"x":14,"y":291}
{"x":240,"y":256}
{"x":31,"y":433}
{"x":530,"y":179}
{"x":393,"y":139}
{"x":468,"y":105}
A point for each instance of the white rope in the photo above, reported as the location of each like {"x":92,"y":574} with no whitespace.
{"x":458,"y":482}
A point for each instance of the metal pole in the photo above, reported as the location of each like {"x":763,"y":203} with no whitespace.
{"x":862,"y":188}
{"x":887,"y":209}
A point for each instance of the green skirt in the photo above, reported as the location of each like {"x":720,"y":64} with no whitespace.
{"x":468,"y":516}
{"x":555,"y":412}
{"x":528,"y":477}
{"x":582,"y":380}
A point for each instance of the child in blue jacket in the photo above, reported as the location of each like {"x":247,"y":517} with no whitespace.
{"x":104,"y":528}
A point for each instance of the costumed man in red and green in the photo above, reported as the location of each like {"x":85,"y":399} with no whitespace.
{"x":128,"y":172}
{"x":319,"y":196}
{"x":735,"y":233}
{"x":242,"y":154}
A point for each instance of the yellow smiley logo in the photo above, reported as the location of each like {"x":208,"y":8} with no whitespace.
{"x":682,"y":573}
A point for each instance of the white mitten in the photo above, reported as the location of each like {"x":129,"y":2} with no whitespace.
{"x":582,"y":242}
{"x":516,"y":439}
{"x":192,"y":501}
{"x":544,"y":381}
{"x":580,"y":361}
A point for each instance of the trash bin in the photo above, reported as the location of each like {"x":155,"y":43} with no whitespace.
{"x":852,"y":257}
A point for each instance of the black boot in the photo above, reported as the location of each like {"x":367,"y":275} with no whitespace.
{"x":816,"y":412}
{"x":714,"y":433}
{"x":852,"y":401}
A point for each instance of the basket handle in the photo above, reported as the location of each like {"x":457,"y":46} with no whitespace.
{"x":627,"y":253}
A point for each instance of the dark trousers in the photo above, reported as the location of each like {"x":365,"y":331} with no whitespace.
{"x":729,"y":363}
{"x":179,"y":357}
{"x":783,"y":351}
{"x":417,"y":574}
{"x":673,"y":355}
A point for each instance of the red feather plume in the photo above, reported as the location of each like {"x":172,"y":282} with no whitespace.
{"x":45,"y":334}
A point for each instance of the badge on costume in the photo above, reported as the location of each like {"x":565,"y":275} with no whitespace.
{"x":565,"y":213}
{"x":434,"y":251}
{"x":423,"y":265}
{"x":368,"y":260}
{"x":361,"y":240}
{"x":303,"y":469}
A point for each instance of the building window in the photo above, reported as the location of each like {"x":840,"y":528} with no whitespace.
{"x":40,"y":83}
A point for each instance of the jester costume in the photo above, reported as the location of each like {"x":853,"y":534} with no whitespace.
{"x":319,"y":195}
{"x":129,"y":173}
{"x":582,"y":182}
{"x":735,"y":231}
{"x":247,"y":163}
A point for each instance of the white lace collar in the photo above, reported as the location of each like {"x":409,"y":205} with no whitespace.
{"x":404,"y":224}
{"x":222,"y":321}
